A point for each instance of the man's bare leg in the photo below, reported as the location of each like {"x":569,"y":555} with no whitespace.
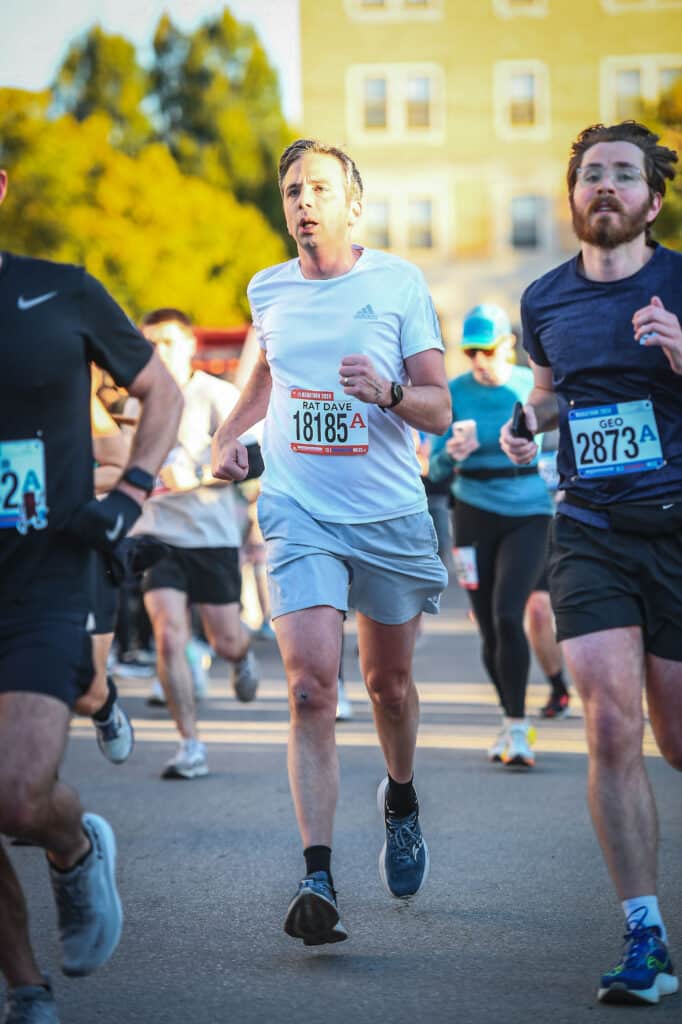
{"x":310,"y":644}
{"x":386,"y":663}
{"x":608,"y":669}
{"x":167,"y":610}
{"x":34,"y":806}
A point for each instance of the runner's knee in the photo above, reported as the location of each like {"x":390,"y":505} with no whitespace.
{"x":20,"y":805}
{"x":389,"y":689}
{"x":309,"y":692}
{"x":615,"y":735}
{"x":171,"y":638}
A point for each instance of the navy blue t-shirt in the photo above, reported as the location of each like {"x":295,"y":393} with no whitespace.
{"x":583,"y":330}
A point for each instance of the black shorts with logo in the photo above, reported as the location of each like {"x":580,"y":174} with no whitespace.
{"x":206,"y":575}
{"x":602,"y":579}
{"x":45,"y":652}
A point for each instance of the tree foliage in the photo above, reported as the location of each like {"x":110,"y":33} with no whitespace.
{"x":153,"y":235}
{"x":666,"y":120}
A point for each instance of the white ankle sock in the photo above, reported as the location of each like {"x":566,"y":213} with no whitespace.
{"x":644,"y":910}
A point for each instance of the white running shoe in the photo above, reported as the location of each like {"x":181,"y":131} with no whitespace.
{"x":499,"y":747}
{"x":115,"y":737}
{"x":156,"y":698}
{"x":519,"y":752}
{"x":188,"y":762}
{"x":344,"y":708}
{"x":245,"y":677}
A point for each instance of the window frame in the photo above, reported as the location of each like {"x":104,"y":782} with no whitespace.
{"x":394,"y":10}
{"x":503,"y":71}
{"x":649,"y":66}
{"x":506,"y":9}
{"x":397,"y":76}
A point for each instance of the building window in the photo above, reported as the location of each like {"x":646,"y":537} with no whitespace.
{"x":375,"y":104}
{"x":418,"y":113}
{"x":394,"y":10}
{"x":420,"y":224}
{"x":628,"y":93}
{"x":376,"y":229}
{"x":395,"y":103}
{"x":525,"y":222}
{"x":522,"y":107}
{"x":625,"y":6}
{"x":628,"y":83}
{"x":512,"y":8}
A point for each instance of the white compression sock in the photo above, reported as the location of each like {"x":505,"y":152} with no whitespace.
{"x":644,"y":910}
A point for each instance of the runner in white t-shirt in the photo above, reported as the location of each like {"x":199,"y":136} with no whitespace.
{"x":351,"y":359}
{"x":196,"y":517}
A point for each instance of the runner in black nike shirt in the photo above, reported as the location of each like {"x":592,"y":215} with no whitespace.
{"x":56,"y":319}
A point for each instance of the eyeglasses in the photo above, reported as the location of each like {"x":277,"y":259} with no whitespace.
{"x":622,"y":175}
{"x":473,"y":352}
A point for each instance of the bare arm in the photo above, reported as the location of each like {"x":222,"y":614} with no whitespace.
{"x":426,"y":401}
{"x":109,"y":447}
{"x":542,"y":413}
{"x":230,"y":460}
{"x":157,"y":429}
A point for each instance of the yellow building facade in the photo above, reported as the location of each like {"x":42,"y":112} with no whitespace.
{"x":460,"y":117}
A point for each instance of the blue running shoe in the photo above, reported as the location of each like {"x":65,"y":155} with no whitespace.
{"x":313,"y":914}
{"x":404,"y":857}
{"x":645,"y":972}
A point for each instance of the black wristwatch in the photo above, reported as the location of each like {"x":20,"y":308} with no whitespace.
{"x":140,"y":478}
{"x":396,"y":396}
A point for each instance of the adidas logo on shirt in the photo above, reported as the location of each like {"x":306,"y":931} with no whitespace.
{"x":366,"y":313}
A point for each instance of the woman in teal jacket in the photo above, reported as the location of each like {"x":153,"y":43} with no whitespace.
{"x":501,"y":515}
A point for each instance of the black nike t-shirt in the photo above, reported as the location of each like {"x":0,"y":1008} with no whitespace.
{"x":55,"y":319}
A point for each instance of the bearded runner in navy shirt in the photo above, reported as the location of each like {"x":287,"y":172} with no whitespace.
{"x":603,"y":333}
{"x":56,"y":320}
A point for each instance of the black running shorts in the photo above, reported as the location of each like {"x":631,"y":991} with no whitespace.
{"x":47,"y":652}
{"x":601,"y":579}
{"x":206,"y":575}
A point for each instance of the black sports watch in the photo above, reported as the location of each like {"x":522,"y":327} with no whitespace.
{"x":396,"y":396}
{"x":138,"y":477}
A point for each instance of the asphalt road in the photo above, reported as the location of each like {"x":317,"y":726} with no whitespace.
{"x":515,"y":924}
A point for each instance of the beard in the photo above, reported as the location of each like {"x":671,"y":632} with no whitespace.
{"x":606,"y":232}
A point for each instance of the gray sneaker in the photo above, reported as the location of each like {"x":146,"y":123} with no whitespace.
{"x":115,"y":737}
{"x":188,"y":762}
{"x":245,"y":677}
{"x":30,"y":1004}
{"x":89,"y":910}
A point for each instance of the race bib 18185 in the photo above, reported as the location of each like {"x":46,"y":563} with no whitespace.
{"x":22,"y":485}
{"x":322,"y":423}
{"x":612,"y":439}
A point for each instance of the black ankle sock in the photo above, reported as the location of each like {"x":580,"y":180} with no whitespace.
{"x":318,"y":858}
{"x":559,"y":688}
{"x":104,"y":712}
{"x":401,"y":797}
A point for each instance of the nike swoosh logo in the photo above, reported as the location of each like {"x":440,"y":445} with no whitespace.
{"x":23,"y":303}
{"x":664,"y":507}
{"x":114,"y":532}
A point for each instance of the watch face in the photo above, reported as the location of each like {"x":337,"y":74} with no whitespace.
{"x":139,"y":478}
{"x":396,"y":393}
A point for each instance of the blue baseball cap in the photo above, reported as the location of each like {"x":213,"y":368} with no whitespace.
{"x":485,"y":326}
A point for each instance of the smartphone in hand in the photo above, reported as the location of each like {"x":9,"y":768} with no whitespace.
{"x":519,"y":427}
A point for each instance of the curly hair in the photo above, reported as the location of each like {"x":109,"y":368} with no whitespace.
{"x":297,"y":149}
{"x":659,"y":161}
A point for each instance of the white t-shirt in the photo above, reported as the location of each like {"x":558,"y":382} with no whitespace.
{"x":206,"y":516}
{"x":343,"y":460}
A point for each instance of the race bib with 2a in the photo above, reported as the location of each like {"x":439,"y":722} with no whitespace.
{"x":613,"y":439}
{"x":323,"y":423}
{"x":22,"y":485}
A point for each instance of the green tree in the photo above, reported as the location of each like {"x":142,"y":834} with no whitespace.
{"x":218,"y":105}
{"x":666,"y":120}
{"x":153,"y":235}
{"x":101,"y":74}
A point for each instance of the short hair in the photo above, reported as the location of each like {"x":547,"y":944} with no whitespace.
{"x":659,"y":161}
{"x":166,"y":315}
{"x":297,"y":149}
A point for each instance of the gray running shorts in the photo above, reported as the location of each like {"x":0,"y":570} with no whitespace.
{"x":389,"y":571}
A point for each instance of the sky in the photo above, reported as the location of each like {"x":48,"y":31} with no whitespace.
{"x":36,"y":33}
